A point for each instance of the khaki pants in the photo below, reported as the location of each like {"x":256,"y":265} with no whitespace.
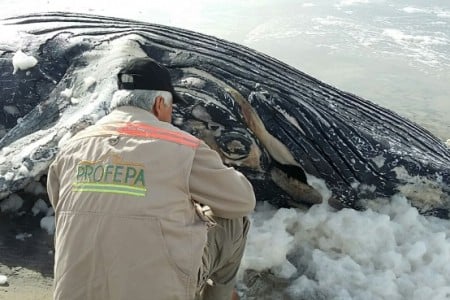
{"x":222,"y":257}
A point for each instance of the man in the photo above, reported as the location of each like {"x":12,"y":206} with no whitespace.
{"x":131,"y":196}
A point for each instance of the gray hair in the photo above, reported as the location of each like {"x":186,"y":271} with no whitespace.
{"x":139,"y":98}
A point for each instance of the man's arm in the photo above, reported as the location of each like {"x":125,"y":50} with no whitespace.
{"x":226,"y":191}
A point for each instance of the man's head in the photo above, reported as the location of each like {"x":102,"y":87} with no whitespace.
{"x":146,"y":84}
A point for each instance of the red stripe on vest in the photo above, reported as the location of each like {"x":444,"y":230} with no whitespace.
{"x":147,"y":131}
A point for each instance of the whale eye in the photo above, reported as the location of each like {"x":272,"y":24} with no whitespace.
{"x":234,"y":145}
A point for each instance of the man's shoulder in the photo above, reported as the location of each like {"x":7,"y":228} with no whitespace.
{"x":183,"y":135}
{"x":174,"y":128}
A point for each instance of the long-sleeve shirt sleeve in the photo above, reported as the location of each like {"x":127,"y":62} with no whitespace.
{"x":226,"y":191}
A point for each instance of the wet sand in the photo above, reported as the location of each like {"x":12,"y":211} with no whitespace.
{"x":27,"y":263}
{"x":25,"y":284}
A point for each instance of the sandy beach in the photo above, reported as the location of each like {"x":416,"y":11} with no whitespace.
{"x":25,"y":284}
{"x":26,"y":258}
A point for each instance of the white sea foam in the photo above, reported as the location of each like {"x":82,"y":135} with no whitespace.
{"x":393,"y":253}
{"x":39,"y":207}
{"x":425,"y":49}
{"x":35,"y":188}
{"x":11,"y":204}
{"x":88,"y":82}
{"x":400,"y":37}
{"x":333,"y":21}
{"x":344,"y":3}
{"x":437,"y":11}
{"x":412,"y":10}
{"x":23,"y":236}
{"x":48,"y":224}
{"x":443,"y":13}
{"x":67,"y":93}
{"x":21,"y":61}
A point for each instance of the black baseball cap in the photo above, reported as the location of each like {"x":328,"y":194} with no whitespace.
{"x":144,"y":73}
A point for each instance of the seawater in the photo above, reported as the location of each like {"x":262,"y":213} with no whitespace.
{"x":394,"y":53}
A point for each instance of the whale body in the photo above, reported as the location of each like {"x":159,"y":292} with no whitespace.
{"x":292,"y":135}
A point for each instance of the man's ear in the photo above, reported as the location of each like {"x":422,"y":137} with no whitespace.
{"x":157,"y":105}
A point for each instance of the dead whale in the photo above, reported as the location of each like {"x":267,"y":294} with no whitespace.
{"x":291,"y":134}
